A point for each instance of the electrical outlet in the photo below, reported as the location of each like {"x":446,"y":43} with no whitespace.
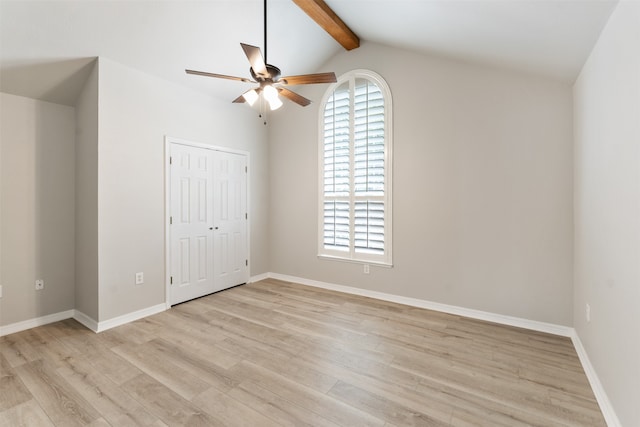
{"x":587,"y":313}
{"x":0,"y":291}
{"x":39,"y":285}
{"x":366,"y":269}
{"x":139,"y":278}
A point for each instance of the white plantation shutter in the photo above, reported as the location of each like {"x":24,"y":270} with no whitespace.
{"x":337,"y":183}
{"x":336,"y":225}
{"x":355,"y":219}
{"x":336,"y":143}
{"x":369,"y":227}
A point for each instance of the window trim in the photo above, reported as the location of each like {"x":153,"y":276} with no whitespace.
{"x":351,"y":256}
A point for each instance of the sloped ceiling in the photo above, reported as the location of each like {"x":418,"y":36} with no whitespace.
{"x":46,"y":47}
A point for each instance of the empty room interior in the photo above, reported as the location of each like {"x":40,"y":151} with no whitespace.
{"x":320,"y":212}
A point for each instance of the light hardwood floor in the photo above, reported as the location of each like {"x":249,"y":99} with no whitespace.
{"x":274,"y":353}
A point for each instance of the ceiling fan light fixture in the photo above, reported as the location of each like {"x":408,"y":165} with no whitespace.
{"x":251,"y":96}
{"x":275,"y":103}
{"x":270,"y":93}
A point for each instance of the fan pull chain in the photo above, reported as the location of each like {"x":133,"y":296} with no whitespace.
{"x":263,"y":110}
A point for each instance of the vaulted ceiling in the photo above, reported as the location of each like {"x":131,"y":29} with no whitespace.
{"x":46,"y":46}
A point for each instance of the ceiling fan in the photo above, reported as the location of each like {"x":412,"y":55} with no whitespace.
{"x":268,"y":78}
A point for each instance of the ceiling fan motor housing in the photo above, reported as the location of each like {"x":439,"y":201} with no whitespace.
{"x":274,"y":74}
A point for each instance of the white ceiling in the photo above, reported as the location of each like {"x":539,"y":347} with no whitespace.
{"x":45,"y":47}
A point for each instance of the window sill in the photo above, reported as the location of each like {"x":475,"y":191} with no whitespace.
{"x":355,"y":261}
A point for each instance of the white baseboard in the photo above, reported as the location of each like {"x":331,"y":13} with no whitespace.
{"x":130,"y":317}
{"x":259,"y":277}
{"x":86,"y":321}
{"x":550,"y":328}
{"x":81,"y":318}
{"x":32,"y":323}
{"x":601,"y":396}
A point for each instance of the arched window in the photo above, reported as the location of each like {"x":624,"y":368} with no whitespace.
{"x":355,"y":169}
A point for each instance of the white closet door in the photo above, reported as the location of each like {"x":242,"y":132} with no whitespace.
{"x":230,"y":220}
{"x":209,"y":224}
{"x":191,"y":223}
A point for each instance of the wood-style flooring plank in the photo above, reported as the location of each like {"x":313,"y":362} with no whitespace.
{"x":47,"y":346}
{"x":385,"y":409}
{"x":200,"y":365}
{"x":116,"y":407}
{"x":320,"y":403}
{"x":63,"y":404}
{"x":228,"y":410}
{"x":165,"y":371}
{"x":26,"y":414}
{"x":290,"y":367}
{"x":12,"y":390}
{"x":17,"y":350}
{"x":277,"y":408}
{"x":199,"y":341}
{"x":97,"y":351}
{"x":166,"y":404}
{"x":395,"y":386}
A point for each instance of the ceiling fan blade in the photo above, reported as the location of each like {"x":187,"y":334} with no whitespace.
{"x":307,"y":79}
{"x":292,"y":96}
{"x":239,"y":100}
{"x":254,"y":55}
{"x":220,"y":76}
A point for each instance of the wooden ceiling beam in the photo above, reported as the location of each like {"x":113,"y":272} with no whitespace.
{"x":320,"y":12}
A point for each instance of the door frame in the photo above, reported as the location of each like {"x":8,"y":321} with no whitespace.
{"x":168,"y":141}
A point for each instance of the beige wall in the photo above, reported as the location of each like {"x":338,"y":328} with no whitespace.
{"x":86,"y":226}
{"x":37,"y":229}
{"x":136,"y":111}
{"x":482,"y":187}
{"x":607,"y":208}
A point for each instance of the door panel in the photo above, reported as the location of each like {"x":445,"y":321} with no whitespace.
{"x":230,"y":217}
{"x":192,"y":239}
